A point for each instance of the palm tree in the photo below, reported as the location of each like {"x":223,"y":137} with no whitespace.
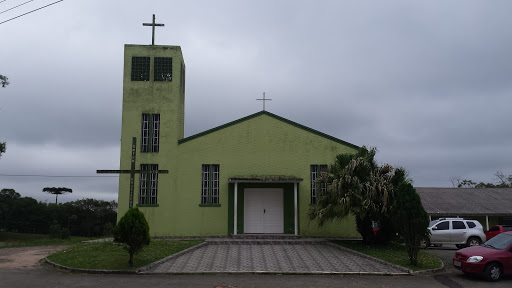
{"x":357,"y":185}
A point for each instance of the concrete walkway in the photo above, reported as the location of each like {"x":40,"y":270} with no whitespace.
{"x":271,"y":256}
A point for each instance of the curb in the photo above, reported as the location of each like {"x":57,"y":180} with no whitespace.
{"x":406,"y":271}
{"x":279,"y":273}
{"x":429,"y":271}
{"x":143,"y":270}
{"x":83,"y":270}
{"x":409,"y":271}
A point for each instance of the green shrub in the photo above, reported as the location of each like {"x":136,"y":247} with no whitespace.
{"x":57,"y":232}
{"x":410,"y":219}
{"x":132,"y":230}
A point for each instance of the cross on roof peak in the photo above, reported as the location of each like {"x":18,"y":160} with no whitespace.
{"x":153,"y":26}
{"x":264,"y":99}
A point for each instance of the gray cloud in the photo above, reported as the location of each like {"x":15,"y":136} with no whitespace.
{"x":426,"y":82}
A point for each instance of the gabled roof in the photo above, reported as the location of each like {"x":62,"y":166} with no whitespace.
{"x":466,"y":201}
{"x":273,"y":116}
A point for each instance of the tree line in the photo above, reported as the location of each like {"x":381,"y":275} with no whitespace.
{"x":86,"y":217}
{"x":503,"y":181}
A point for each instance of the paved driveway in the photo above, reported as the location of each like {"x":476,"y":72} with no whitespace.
{"x":31,"y":275}
{"x":274,"y":257}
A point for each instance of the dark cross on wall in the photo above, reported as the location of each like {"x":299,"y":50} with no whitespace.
{"x":132,"y":171}
{"x":264,"y":99}
{"x":153,"y":26}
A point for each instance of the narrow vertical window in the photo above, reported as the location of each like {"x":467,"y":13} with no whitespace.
{"x":323,"y":172}
{"x":205,"y":184}
{"x":163,"y":69}
{"x":153,"y":185}
{"x":143,"y":185}
{"x":144,"y":137}
{"x":314,"y":176}
{"x":150,"y":133}
{"x":148,"y":184}
{"x":210,"y":184}
{"x":140,"y":69}
{"x":215,"y":184}
{"x":155,"y":139}
{"x":317,"y":171}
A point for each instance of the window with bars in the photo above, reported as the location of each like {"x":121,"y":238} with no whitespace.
{"x":148,"y":184}
{"x":163,"y":69}
{"x":210,"y":184}
{"x":140,"y":69}
{"x":150,"y":133}
{"x":317,"y":187}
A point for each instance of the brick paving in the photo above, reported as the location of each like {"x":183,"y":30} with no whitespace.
{"x":272,"y":257}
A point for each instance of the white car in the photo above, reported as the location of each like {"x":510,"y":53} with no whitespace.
{"x":459,"y":231}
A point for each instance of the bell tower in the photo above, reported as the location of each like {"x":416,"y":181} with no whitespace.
{"x":153,"y":112}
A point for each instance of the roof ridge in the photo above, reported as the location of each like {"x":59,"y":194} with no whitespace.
{"x":257,"y":114}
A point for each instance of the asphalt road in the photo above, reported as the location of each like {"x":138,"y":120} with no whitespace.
{"x":42,"y":276}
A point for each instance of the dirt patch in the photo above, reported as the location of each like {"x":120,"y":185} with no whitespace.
{"x":25,"y":257}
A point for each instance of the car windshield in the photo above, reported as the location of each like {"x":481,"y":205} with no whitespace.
{"x":500,"y":241}
{"x":432,"y":223}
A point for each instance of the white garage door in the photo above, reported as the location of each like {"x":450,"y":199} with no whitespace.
{"x":263,"y":210}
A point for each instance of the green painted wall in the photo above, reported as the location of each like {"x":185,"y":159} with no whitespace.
{"x":165,"y":98}
{"x":260,"y":145}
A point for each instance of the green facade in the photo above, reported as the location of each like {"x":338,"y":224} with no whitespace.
{"x":261,"y":145}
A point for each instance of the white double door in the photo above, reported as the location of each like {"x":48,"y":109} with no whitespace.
{"x":263,"y":210}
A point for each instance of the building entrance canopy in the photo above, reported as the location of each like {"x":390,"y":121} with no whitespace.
{"x":265,"y":179}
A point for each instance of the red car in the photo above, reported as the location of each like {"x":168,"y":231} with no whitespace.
{"x":495,"y":230}
{"x":492,"y":259}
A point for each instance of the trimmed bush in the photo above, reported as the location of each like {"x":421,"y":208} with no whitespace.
{"x":132,"y":230}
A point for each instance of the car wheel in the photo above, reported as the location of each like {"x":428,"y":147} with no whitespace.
{"x":474,"y":241}
{"x":460,"y":246}
{"x":493,"y":272}
{"x":424,"y":243}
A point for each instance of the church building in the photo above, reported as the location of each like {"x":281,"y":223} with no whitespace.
{"x":255,"y":174}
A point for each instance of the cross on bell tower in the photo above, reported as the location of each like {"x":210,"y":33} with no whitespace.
{"x":153,"y":26}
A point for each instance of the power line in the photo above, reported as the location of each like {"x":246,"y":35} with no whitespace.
{"x":57,"y":176}
{"x":15,"y":6}
{"x":30,"y":11}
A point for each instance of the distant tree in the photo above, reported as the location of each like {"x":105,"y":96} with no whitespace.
{"x":8,"y":204}
{"x":92,"y":217}
{"x":57,"y":191}
{"x":4,"y":80}
{"x":132,"y":230}
{"x":410,"y":219}
{"x":504,"y":181}
{"x":466,"y":184}
{"x":2,"y":148}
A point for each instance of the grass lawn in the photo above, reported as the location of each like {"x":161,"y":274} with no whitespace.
{"x":10,"y":239}
{"x":393,"y":253}
{"x":112,"y":256}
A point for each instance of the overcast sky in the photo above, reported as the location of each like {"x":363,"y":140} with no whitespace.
{"x":426,"y":82}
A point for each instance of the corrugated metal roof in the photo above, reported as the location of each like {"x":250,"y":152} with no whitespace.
{"x":466,"y":201}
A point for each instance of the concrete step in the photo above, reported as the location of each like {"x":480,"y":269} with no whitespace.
{"x":265,"y":236}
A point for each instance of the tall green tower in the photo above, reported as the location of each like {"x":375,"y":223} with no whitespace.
{"x":153,"y":112}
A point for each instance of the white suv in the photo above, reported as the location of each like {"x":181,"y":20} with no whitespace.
{"x":459,"y":231}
